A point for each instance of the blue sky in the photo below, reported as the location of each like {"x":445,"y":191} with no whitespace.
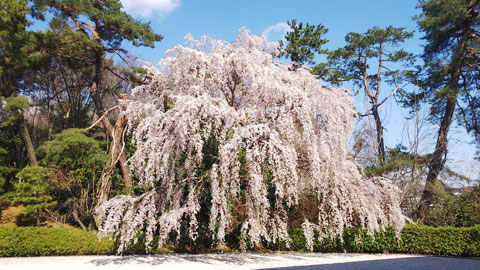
{"x":222,"y":19}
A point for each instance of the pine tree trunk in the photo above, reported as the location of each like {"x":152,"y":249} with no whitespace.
{"x":379,"y":127}
{"x":437,"y":161}
{"x":27,"y":141}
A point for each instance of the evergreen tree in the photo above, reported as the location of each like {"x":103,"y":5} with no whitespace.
{"x":303,"y":43}
{"x":76,"y":162}
{"x":451,"y":29}
{"x":88,"y":31}
{"x":16,"y":58}
{"x":33,"y":191}
{"x":369,"y":60}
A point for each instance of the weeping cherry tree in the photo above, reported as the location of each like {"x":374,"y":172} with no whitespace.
{"x":225,"y":123}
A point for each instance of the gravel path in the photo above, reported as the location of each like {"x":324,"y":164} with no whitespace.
{"x":295,"y":261}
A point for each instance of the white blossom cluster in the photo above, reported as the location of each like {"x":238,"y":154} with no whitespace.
{"x":293,"y":133}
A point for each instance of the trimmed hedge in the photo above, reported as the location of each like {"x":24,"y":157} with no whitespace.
{"x":445,"y":241}
{"x":40,"y":241}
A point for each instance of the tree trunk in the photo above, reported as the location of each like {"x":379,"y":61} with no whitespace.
{"x":116,"y":154}
{"x":27,"y":141}
{"x":114,"y":133}
{"x":379,"y":127}
{"x":105,"y":184}
{"x":437,"y":161}
{"x":78,"y":220}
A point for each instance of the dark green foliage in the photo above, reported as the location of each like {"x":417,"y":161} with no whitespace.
{"x":117,"y":24}
{"x":38,"y":241}
{"x":299,"y":241}
{"x":445,"y":241}
{"x":72,"y":151}
{"x":303,"y":43}
{"x":459,"y":210}
{"x":33,"y":191}
{"x":7,"y":173}
{"x":89,"y":30}
{"x":359,"y":241}
{"x":397,"y":159}
{"x":469,"y":203}
{"x":450,"y":28}
{"x":76,"y":162}
{"x":358,"y":61}
{"x":12,"y":155}
{"x":13,"y":44}
{"x":13,"y":108}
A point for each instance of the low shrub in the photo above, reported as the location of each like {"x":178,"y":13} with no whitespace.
{"x":358,"y":240}
{"x":40,"y":241}
{"x":445,"y":241}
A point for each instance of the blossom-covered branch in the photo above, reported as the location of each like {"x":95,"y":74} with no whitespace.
{"x":227,"y":118}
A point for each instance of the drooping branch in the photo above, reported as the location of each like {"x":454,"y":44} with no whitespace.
{"x":282,"y":137}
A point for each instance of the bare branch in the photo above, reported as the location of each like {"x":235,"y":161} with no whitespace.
{"x":100,"y":119}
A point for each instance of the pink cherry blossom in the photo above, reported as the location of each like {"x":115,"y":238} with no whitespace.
{"x":293,"y":131}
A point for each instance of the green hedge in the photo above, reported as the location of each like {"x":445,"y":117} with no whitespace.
{"x":40,"y":241}
{"x":447,"y":241}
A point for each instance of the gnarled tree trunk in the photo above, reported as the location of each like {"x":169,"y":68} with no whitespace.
{"x":27,"y":140}
{"x":115,"y":133}
{"x":116,"y":154}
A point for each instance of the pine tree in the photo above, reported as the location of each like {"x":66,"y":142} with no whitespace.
{"x":451,"y":29}
{"x":33,"y":191}
{"x":367,"y":62}
{"x":88,"y":31}
{"x":16,"y":58}
{"x":304,"y":42}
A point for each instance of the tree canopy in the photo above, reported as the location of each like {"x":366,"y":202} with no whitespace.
{"x":367,"y":61}
{"x":303,"y":43}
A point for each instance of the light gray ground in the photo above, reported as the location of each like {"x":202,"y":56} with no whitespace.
{"x":317,"y":261}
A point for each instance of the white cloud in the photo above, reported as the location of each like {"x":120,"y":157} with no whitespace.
{"x":276,"y":31}
{"x":150,"y":8}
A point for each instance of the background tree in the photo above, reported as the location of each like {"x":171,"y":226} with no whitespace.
{"x":451,"y":31}
{"x":369,"y":60}
{"x":33,"y":191}
{"x":88,"y":31}
{"x":60,"y":95}
{"x":304,"y":42}
{"x":16,"y":57}
{"x":75,"y":162}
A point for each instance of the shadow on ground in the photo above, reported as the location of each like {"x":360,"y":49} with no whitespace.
{"x":420,"y":263}
{"x":232,"y":260}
